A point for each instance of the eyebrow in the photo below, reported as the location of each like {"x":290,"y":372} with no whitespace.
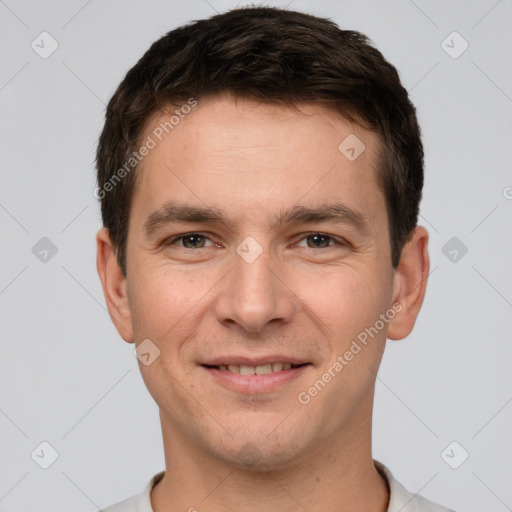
{"x":173,"y":212}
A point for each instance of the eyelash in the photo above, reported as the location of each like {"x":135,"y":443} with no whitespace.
{"x":172,"y":240}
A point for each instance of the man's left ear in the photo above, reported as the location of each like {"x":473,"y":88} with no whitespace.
{"x":410,"y":284}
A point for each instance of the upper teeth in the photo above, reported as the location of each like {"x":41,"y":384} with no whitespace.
{"x":256,"y":370}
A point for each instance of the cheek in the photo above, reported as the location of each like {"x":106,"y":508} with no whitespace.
{"x":346,"y":300}
{"x":164,"y":302}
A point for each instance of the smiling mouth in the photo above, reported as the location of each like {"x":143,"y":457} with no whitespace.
{"x":263,"y":369}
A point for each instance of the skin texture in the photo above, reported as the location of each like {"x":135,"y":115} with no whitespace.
{"x":227,"y":450}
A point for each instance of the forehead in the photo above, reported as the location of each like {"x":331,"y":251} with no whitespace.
{"x":251,"y":157}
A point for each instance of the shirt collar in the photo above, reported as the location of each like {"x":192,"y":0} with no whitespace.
{"x":400,"y":500}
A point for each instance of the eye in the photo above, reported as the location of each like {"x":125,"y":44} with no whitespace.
{"x":190,"y":241}
{"x":199,"y":241}
{"x":319,"y":241}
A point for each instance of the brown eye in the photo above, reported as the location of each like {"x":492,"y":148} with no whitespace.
{"x":189,"y":241}
{"x":318,"y":241}
{"x":193,"y":241}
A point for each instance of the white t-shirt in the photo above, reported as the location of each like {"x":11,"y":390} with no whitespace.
{"x":400,"y":499}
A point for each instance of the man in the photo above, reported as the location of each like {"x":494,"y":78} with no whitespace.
{"x":260,"y":174}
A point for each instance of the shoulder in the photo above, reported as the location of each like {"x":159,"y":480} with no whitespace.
{"x":404,"y":501}
{"x":424,"y":505}
{"x":128,"y":505}
{"x":138,"y":503}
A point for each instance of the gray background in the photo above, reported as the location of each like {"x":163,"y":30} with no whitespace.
{"x":67,"y":378}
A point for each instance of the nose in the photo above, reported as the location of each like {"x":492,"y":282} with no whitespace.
{"x":255,"y":294}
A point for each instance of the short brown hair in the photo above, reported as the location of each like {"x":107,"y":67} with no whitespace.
{"x":274,"y":56}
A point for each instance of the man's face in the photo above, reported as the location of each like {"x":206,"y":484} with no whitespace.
{"x":211,"y":299}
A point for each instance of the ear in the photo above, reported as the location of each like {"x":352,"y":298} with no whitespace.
{"x":114,"y":285}
{"x":410,"y":284}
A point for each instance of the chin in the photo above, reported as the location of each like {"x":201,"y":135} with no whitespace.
{"x":262,"y":441}
{"x":261,"y":455}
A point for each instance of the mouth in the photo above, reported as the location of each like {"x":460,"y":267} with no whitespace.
{"x":255,"y":376}
{"x":261,"y":369}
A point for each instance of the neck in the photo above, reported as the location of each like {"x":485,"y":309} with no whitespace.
{"x":337,"y":474}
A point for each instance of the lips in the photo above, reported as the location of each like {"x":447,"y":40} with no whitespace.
{"x":253,"y":360}
{"x":254,"y":375}
{"x":260,"y":369}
